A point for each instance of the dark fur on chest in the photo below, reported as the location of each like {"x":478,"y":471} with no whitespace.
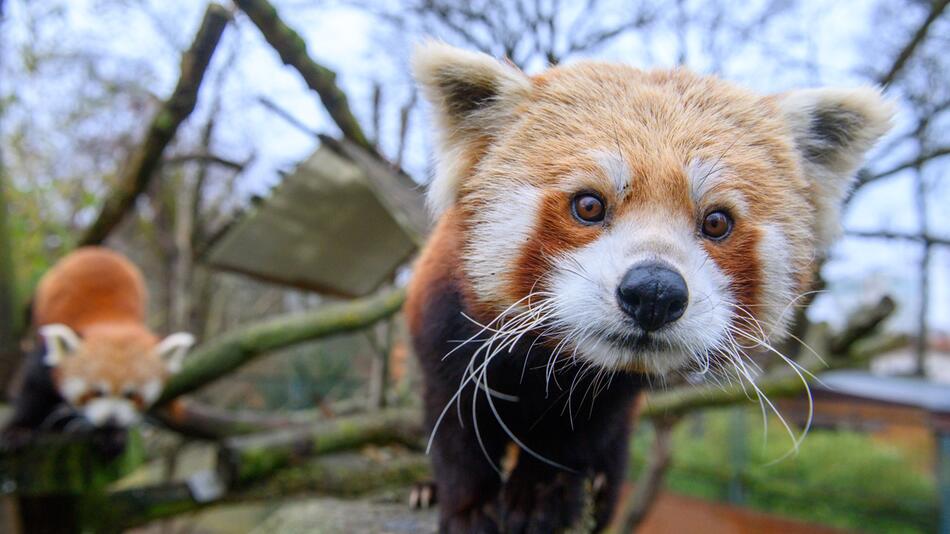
{"x":39,"y":408}
{"x":577,"y":417}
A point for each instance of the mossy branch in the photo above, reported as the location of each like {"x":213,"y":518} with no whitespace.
{"x":293,"y":52}
{"x":305,"y":460}
{"x":142,"y":164}
{"x":221,"y":356}
{"x":340,"y":475}
{"x":249,"y":459}
{"x":854,"y":345}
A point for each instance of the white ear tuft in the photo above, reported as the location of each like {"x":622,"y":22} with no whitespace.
{"x":832,"y":130}
{"x":173,"y":348}
{"x":61,"y":342}
{"x":473,"y":95}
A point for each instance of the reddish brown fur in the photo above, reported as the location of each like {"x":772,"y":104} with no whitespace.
{"x":738,"y":258}
{"x":657,"y":136}
{"x":438,"y":260}
{"x":102,"y":297}
{"x":556,"y":231}
{"x":90,"y":286}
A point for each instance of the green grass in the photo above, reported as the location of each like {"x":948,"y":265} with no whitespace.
{"x":841,"y":479}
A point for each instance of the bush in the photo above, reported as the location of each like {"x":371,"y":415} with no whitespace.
{"x":842,"y":479}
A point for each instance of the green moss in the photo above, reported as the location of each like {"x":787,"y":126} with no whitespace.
{"x":164,"y":121}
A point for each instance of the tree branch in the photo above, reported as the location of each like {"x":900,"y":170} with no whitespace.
{"x":205,"y":158}
{"x":852,"y":346}
{"x":287,"y":116}
{"x":221,"y":356}
{"x":865,"y":177}
{"x":143,"y":163}
{"x":202,"y":421}
{"x":283,"y":463}
{"x":650,"y":481}
{"x":936,"y":9}
{"x":347,"y":475}
{"x":245,"y":460}
{"x":293,"y":52}
{"x":884,"y":234}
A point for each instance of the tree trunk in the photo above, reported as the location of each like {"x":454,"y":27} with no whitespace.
{"x":184,"y":256}
{"x":9,"y":317}
{"x":10,"y":355}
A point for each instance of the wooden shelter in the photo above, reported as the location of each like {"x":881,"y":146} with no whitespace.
{"x":340,"y":224}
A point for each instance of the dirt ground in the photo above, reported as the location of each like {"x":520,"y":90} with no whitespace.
{"x":676,"y":514}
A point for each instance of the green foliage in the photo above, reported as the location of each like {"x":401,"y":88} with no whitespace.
{"x":316,"y":371}
{"x":66,"y":464}
{"x":33,"y":236}
{"x":842,"y":479}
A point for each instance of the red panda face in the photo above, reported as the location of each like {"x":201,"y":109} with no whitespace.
{"x":643,"y":221}
{"x":115,"y":372}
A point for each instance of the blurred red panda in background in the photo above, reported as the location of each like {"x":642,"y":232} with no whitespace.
{"x":97,"y":359}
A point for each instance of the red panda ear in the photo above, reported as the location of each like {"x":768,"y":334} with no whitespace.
{"x":173,"y":348}
{"x":832,"y":130}
{"x":61,"y":342}
{"x":473,"y":95}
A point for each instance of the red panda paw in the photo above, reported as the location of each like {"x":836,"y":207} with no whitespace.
{"x":423,"y":495}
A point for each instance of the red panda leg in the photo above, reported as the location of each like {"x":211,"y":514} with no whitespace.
{"x":467,"y":485}
{"x":539,"y":498}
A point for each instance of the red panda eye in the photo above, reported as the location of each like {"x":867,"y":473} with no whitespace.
{"x":717,"y":225}
{"x":588,"y":208}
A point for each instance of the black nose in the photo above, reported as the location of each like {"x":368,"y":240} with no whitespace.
{"x":654,"y":294}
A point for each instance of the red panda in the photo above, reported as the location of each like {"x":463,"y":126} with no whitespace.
{"x":98,"y":358}
{"x":601,"y":228}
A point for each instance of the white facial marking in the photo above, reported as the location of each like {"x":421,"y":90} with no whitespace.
{"x":151,"y":390}
{"x":585,"y":282}
{"x":706,"y":178}
{"x":111,"y":410}
{"x":173,"y":348}
{"x":498,"y":232}
{"x":72,"y":388}
{"x":61,"y":343}
{"x":616,"y":169}
{"x":778,"y":282}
